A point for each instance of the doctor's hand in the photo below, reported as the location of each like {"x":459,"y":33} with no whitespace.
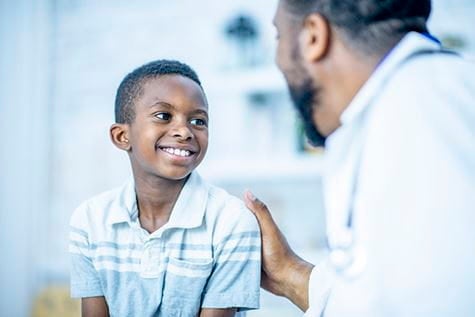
{"x":284,"y":273}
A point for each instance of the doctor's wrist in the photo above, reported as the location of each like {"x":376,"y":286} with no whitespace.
{"x":296,"y":283}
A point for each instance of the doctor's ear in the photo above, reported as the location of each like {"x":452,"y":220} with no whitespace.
{"x":314,"y":37}
{"x":119,"y":134}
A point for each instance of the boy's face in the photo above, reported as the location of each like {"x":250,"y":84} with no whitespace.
{"x":169,"y":135}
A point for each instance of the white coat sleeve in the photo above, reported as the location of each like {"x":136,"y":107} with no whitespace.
{"x":321,"y":280}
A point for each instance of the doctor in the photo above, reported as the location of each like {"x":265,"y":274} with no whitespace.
{"x":396,"y":114}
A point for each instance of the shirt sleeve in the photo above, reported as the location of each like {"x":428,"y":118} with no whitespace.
{"x":85,"y":280}
{"x":321,"y":280}
{"x":235,"y":278}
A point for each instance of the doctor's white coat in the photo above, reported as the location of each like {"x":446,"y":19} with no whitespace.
{"x":402,"y":167}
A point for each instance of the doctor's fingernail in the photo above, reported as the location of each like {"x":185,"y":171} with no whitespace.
{"x":250,"y":196}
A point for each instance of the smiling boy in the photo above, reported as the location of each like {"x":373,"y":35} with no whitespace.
{"x":166,"y":243}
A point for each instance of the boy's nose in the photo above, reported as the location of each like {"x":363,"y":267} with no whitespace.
{"x":182,"y":131}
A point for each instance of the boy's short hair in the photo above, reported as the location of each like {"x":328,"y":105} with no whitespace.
{"x":131,"y":86}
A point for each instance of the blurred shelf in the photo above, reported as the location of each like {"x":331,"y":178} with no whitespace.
{"x":245,"y":81}
{"x":282,"y":168}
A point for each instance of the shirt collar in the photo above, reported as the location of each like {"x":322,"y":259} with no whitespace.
{"x":188,"y":211}
{"x":190,"y":206}
{"x":125,"y":207}
{"x":410,"y":44}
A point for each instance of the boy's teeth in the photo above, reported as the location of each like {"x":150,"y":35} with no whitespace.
{"x":178,"y":152}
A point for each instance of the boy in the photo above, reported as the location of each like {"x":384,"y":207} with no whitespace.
{"x":166,"y":243}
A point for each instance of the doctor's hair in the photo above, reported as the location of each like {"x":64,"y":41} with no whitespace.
{"x":371,"y":26}
{"x":131,"y":86}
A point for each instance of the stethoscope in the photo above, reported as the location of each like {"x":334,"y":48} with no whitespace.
{"x":346,"y":257}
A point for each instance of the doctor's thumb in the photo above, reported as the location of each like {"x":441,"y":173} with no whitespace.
{"x":257,"y":207}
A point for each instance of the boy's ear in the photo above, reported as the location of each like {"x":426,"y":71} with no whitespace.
{"x":119,"y":134}
{"x":314,"y":38}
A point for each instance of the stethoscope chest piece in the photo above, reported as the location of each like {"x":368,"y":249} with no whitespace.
{"x":348,"y":259}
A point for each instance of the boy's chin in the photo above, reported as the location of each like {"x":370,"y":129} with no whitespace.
{"x":176,"y":175}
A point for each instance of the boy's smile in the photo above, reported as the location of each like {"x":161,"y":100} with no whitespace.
{"x":169,"y":135}
{"x":176,"y":151}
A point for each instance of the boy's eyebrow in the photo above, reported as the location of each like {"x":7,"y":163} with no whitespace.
{"x":200,"y":111}
{"x":170,"y":106}
{"x":161,"y":103}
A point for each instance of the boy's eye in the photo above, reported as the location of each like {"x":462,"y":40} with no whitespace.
{"x":198,"y":122}
{"x":163,"y":116}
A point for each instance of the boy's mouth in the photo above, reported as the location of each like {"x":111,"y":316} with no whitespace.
{"x":176,"y":151}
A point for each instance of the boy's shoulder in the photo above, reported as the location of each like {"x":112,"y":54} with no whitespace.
{"x":98,"y":208}
{"x":220,"y":202}
{"x":228,"y":212}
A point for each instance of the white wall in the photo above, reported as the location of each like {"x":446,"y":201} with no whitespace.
{"x":24,"y":161}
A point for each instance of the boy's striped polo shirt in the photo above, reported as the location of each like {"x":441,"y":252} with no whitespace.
{"x":207,"y":255}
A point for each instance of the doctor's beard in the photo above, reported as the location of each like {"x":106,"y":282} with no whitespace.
{"x":305,"y":98}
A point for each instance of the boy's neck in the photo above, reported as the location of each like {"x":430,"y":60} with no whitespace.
{"x":155,"y":200}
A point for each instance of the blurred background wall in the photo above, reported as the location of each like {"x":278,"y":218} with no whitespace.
{"x":60,"y":64}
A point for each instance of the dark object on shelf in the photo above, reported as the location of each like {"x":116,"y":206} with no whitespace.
{"x":243,"y":28}
{"x":244,"y":32}
{"x":453,"y":41}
